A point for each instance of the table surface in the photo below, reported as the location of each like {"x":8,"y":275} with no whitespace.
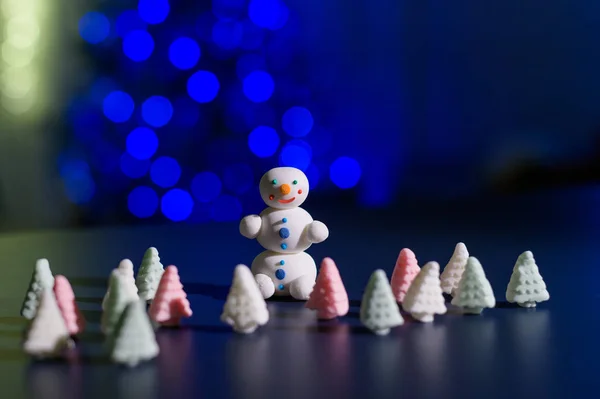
{"x":550,"y":351}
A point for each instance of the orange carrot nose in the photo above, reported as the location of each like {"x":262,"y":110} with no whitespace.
{"x":285,"y":189}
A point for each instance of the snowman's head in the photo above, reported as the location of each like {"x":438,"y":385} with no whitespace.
{"x":284,"y":188}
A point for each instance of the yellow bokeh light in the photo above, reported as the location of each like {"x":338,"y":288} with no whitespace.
{"x":17,"y":57}
{"x":18,"y":106}
{"x":21,"y":32}
{"x":12,"y":8}
{"x":17,"y":82}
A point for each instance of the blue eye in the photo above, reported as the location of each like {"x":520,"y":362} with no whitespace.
{"x":274,"y":181}
{"x":295,"y":182}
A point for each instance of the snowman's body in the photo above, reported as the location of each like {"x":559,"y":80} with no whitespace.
{"x":285,"y":230}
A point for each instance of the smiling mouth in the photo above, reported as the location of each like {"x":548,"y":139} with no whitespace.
{"x":286,"y":201}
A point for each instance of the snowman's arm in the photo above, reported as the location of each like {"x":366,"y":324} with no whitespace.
{"x":250,"y":226}
{"x":317,"y":232}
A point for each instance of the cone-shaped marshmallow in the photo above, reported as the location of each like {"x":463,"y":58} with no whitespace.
{"x":149,"y":274}
{"x":454,"y":269}
{"x":245,"y":308}
{"x":526,"y":286}
{"x":405,"y":271}
{"x":474,"y":292}
{"x":329,"y":297}
{"x":65,"y":298}
{"x":424,"y":298}
{"x":47,"y":335}
{"x":41,"y":279}
{"x":170,"y":303}
{"x":379,"y":311}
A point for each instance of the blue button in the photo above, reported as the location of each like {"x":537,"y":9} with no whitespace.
{"x":283,"y":246}
{"x":284,"y":233}
{"x":280,"y":274}
{"x":280,"y":287}
{"x":282,"y":263}
{"x":284,"y":220}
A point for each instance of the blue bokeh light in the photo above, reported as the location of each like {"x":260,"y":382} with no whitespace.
{"x":345,"y":172}
{"x":253,"y":36}
{"x":177,"y":205}
{"x":127,"y":21}
{"x":226,"y":208}
{"x":132,"y":167}
{"x":186,"y":112}
{"x":142,"y":143}
{"x":258,"y":86}
{"x":118,"y":106}
{"x":206,"y":186}
{"x":238,"y":178}
{"x":297,"y":154}
{"x":270,"y":14}
{"x":101,"y":87}
{"x":228,"y":9}
{"x":78,"y":182}
{"x":142,"y":202}
{"x":297,"y":121}
{"x":154,"y":11}
{"x":227,"y":34}
{"x":184,"y":53}
{"x":203,"y":86}
{"x":165,"y":172}
{"x":157,"y":111}
{"x":249,"y":62}
{"x":94,"y":27}
{"x":263,"y":141}
{"x":138,"y":45}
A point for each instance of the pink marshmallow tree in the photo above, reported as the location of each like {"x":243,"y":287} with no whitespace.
{"x":329,"y":297}
{"x":405,"y":271}
{"x":65,"y":297}
{"x":170,"y":303}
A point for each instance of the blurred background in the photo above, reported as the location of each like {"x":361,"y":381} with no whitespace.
{"x":163,"y":111}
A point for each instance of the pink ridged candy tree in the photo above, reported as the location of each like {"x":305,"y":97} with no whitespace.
{"x":65,"y":297}
{"x":329,"y":297}
{"x":405,"y":271}
{"x":170,"y":303}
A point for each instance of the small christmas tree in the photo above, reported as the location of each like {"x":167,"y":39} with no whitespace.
{"x":65,"y":297}
{"x":126,"y":269}
{"x":424,"y":298}
{"x":379,"y":311}
{"x":454,"y":269}
{"x":405,"y":271}
{"x":245,"y":309}
{"x":526,"y":286}
{"x":117,"y":300}
{"x":133,"y":340}
{"x":329,"y":297}
{"x":47,"y":335}
{"x":474,"y":291}
{"x":41,"y":279}
{"x":170,"y":304}
{"x":149,"y":274}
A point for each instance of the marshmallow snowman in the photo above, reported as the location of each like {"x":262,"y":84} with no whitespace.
{"x":285,"y":231}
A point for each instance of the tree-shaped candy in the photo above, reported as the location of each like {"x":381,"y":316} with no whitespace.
{"x":41,"y":279}
{"x":474,"y":292}
{"x":65,"y":297}
{"x":424,"y":298}
{"x":329,"y":297}
{"x":526,"y":286}
{"x":117,"y":300}
{"x":379,"y":311}
{"x":149,"y":274}
{"x":126,"y":269}
{"x":245,"y":309}
{"x":133,"y":340}
{"x":454,"y":269}
{"x":405,"y":271}
{"x":170,"y":303}
{"x":47,"y":335}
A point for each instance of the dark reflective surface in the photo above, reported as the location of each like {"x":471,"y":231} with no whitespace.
{"x":506,"y":352}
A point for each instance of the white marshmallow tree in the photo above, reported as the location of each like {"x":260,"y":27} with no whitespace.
{"x":474,"y":292}
{"x":454,"y":269}
{"x":41,"y":279}
{"x":47,"y":335}
{"x":118,"y":298}
{"x":526,"y":286}
{"x":125,"y":268}
{"x":245,"y":308}
{"x":149,"y":275}
{"x":379,"y":311}
{"x":424,"y":297}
